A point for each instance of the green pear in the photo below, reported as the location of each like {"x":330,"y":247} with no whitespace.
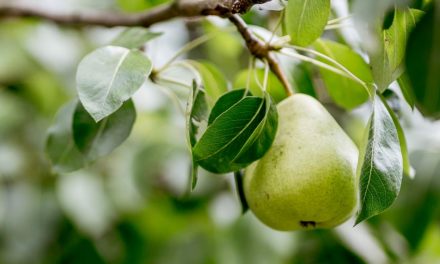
{"x":307,"y":179}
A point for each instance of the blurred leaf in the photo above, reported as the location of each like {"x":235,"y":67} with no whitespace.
{"x":387,"y":59}
{"x":274,"y":86}
{"x":345,"y":92}
{"x":324,"y":246}
{"x":306,"y":19}
{"x":196,"y":118}
{"x":224,"y":50}
{"x":45,"y":92}
{"x":381,"y":171}
{"x":134,"y":37}
{"x":15,"y":63}
{"x":60,"y":146}
{"x":405,"y":87}
{"x":423,"y":62}
{"x":214,"y":81}
{"x":302,"y":77}
{"x":238,"y":135}
{"x":109,"y":76}
{"x":95,"y":140}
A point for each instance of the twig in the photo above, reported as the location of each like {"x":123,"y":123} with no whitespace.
{"x":261,"y":50}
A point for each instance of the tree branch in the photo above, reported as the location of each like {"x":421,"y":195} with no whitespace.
{"x":179,"y":8}
{"x":261,"y":50}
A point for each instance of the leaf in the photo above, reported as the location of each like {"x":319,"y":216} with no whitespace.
{"x":239,"y":135}
{"x":423,"y":62}
{"x":261,"y":139}
{"x":274,"y":86}
{"x":214,"y":81}
{"x":225,"y":102}
{"x":402,"y":140}
{"x":134,"y":37}
{"x":386,"y":62}
{"x":381,"y":170}
{"x":60,"y":146}
{"x":109,"y":76}
{"x":306,"y":19}
{"x":405,"y":87}
{"x":96,"y":140}
{"x":302,"y":77}
{"x":196,"y":118}
{"x":345,"y":92}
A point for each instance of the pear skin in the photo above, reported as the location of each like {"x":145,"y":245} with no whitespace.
{"x":307,"y":179}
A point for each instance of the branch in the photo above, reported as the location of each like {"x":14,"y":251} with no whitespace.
{"x":261,"y":50}
{"x":179,"y":8}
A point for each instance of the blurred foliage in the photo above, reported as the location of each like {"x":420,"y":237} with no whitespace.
{"x":130,"y":207}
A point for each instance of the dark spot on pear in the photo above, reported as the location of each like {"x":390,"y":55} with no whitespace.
{"x":308,"y":224}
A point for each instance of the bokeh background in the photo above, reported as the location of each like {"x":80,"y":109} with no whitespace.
{"x":129,"y":207}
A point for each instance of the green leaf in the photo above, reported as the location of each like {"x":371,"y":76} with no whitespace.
{"x":405,"y":87}
{"x":214,"y":81}
{"x":261,"y":139}
{"x":423,"y":62}
{"x":238,"y":136}
{"x":109,"y":76}
{"x":306,"y":19}
{"x":274,"y":86}
{"x":196,"y":118}
{"x":381,"y":170}
{"x":345,"y":92}
{"x":386,"y":61}
{"x":96,"y":140}
{"x":225,"y":102}
{"x":134,"y":37}
{"x":302,"y":77}
{"x":402,"y":140}
{"x":60,"y":146}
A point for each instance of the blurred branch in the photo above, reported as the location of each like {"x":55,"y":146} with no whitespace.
{"x":179,"y":8}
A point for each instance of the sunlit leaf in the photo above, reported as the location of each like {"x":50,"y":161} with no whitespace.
{"x":109,"y":76}
{"x":96,"y":140}
{"x":344,"y":91}
{"x":381,"y":169}
{"x":306,"y":19}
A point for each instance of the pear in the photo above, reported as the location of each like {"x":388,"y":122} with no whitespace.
{"x":307,"y":179}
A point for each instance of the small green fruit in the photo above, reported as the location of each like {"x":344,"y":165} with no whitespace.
{"x":308,"y":177}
